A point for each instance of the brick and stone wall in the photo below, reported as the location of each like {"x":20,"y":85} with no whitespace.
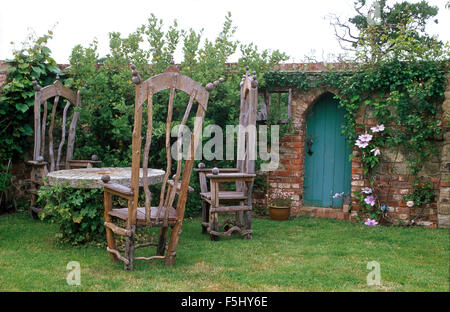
{"x":392,"y":178}
{"x":443,"y":205}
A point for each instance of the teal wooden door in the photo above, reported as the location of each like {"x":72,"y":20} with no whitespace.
{"x":327,"y":164}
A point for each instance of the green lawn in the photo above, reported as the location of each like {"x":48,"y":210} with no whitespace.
{"x":304,"y":254}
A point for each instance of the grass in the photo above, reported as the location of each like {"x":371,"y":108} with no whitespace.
{"x":304,"y":254}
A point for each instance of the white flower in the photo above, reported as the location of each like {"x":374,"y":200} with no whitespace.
{"x":361,"y":144}
{"x":409,"y":203}
{"x":375,"y":151}
{"x":377,"y":128}
{"x":337,"y":195}
{"x":365,"y":137}
{"x":366,"y":190}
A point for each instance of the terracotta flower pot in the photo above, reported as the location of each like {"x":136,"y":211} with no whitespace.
{"x":279,"y":212}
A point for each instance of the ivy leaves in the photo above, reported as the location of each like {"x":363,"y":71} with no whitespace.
{"x":17,"y":100}
{"x":77,"y":212}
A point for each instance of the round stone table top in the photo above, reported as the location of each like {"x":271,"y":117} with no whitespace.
{"x":88,"y":178}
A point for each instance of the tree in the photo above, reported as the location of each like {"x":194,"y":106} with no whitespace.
{"x":379,"y":31}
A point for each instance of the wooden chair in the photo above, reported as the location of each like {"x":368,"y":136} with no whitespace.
{"x":243,"y":175}
{"x":164,"y":215}
{"x":44,"y":160}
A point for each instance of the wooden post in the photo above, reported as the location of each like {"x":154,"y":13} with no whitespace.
{"x":162,"y":240}
{"x":109,"y":233}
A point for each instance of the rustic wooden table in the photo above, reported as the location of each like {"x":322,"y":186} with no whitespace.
{"x":88,"y":178}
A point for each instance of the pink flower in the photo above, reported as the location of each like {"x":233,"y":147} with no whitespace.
{"x":375,"y":151}
{"x":366,"y":190}
{"x":377,"y":128}
{"x":370,"y":222}
{"x":370,"y":200}
{"x":409,"y":203}
{"x":365,"y":137}
{"x":361,"y":144}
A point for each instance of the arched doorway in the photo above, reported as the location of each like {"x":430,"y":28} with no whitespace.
{"x":327,"y":164}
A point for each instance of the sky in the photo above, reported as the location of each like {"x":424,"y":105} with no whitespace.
{"x":297,"y":27}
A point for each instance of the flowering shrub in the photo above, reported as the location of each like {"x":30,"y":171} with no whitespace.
{"x":367,"y":198}
{"x":371,"y":222}
{"x":279,"y":199}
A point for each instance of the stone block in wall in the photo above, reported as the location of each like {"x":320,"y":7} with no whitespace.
{"x":391,"y":155}
{"x":444,"y":221}
{"x":446,"y":152}
{"x":400,"y":168}
{"x":444,"y":193}
{"x":444,"y":209}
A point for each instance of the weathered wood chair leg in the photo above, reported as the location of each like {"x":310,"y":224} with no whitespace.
{"x":205,"y":216}
{"x":162,"y":241}
{"x":33,"y":189}
{"x":239,"y":217}
{"x":109,"y":233}
{"x":213,"y":225}
{"x":129,"y":250}
{"x":33,"y":213}
{"x":173,"y":243}
{"x":248,"y":224}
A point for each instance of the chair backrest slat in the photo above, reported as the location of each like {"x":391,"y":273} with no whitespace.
{"x":51,"y":153}
{"x":168,"y":154}
{"x":72,"y":131}
{"x":171,"y":197}
{"x":246,"y":142}
{"x":43,"y":127}
{"x":148,"y":142}
{"x":63,"y":134}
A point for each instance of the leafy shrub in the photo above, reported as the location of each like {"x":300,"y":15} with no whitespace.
{"x":77,"y":212}
{"x":33,"y":60}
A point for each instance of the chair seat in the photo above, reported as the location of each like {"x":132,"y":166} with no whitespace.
{"x":122,"y":213}
{"x":225,"y":195}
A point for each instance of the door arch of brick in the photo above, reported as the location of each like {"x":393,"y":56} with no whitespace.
{"x":289,"y":177}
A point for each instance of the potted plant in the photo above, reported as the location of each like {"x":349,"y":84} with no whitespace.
{"x":279,"y":205}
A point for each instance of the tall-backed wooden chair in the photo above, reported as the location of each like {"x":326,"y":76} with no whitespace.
{"x":167,"y":213}
{"x":44,"y":158}
{"x":243,"y":175}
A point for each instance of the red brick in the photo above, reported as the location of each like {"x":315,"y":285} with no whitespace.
{"x":435,"y":179}
{"x":282,"y":173}
{"x":401,"y":184}
{"x":402,"y":210}
{"x":393,"y":203}
{"x":296,"y":161}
